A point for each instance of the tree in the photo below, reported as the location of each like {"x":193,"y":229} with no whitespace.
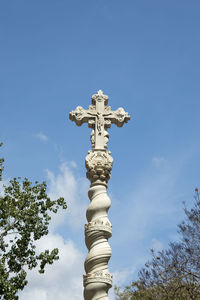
{"x":173,"y":273}
{"x":25,"y":213}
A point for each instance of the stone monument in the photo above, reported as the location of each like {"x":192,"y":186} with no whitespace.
{"x":99,"y":117}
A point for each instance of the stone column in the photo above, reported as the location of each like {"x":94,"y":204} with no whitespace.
{"x":99,"y":117}
{"x":98,"y":280}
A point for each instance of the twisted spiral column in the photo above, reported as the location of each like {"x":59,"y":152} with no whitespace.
{"x":98,"y":280}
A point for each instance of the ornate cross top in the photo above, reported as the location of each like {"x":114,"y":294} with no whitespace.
{"x":99,"y":117}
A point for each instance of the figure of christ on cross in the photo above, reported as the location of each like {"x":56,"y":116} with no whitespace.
{"x":99,"y":117}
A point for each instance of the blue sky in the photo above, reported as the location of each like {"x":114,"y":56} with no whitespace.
{"x":145,"y":56}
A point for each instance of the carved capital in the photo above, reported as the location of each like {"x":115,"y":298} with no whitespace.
{"x":99,"y":166}
{"x":99,"y":225}
{"x":99,"y":276}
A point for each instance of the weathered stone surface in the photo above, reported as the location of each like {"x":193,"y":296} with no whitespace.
{"x":99,"y":117}
{"x":99,"y":166}
{"x":97,"y":280}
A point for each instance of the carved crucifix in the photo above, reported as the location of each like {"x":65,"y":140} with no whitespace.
{"x":99,"y":117}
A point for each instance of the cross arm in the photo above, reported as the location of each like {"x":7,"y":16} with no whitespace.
{"x":117,"y":117}
{"x":80,"y":116}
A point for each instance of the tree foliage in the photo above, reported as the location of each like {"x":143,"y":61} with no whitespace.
{"x":25,"y":210}
{"x":173,"y":273}
{"x":1,"y":165}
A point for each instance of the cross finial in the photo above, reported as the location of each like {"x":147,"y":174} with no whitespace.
{"x":100,"y":92}
{"x":99,"y":97}
{"x":99,"y":117}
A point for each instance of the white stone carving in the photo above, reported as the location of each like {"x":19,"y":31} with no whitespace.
{"x":99,"y":117}
{"x":97,"y":280}
{"x":98,"y":165}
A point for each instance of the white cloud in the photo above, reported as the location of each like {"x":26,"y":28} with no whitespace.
{"x":157,"y":245}
{"x":120,"y":277}
{"x":63,"y":279}
{"x":42,"y":137}
{"x":159,"y":161}
{"x":154,"y":203}
{"x":74,"y":190}
{"x":73,"y":164}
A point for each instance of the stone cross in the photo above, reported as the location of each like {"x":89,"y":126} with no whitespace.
{"x":99,"y":117}
{"x":97,"y":280}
